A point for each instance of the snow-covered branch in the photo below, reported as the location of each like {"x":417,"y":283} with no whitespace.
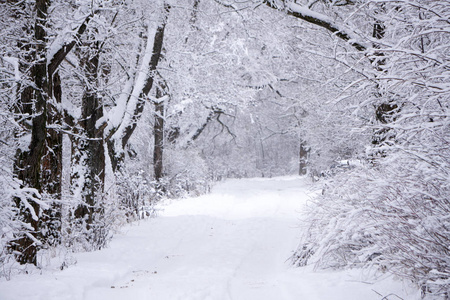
{"x":318,"y":19}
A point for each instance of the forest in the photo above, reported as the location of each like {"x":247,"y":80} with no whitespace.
{"x":109,"y":106}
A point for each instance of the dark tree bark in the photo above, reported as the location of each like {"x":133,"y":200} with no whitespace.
{"x":384,"y":112}
{"x":28,"y":162}
{"x":158,"y":132}
{"x":50,"y":222}
{"x":88,"y":154}
{"x":193,"y":19}
{"x":194,"y":14}
{"x":303,"y":155}
{"x":39,"y":167}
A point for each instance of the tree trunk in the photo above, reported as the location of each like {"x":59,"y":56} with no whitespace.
{"x":385,"y":112}
{"x":158,"y":131}
{"x":303,"y":159}
{"x":88,"y":154}
{"x":40,"y":166}
{"x":28,"y":162}
{"x":50,"y":222}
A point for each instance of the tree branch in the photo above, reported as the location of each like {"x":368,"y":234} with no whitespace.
{"x":61,"y":54}
{"x":318,"y":19}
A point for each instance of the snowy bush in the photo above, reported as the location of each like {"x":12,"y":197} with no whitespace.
{"x":387,"y":217}
{"x":80,"y":235}
{"x":9,"y":227}
{"x":134,"y":192}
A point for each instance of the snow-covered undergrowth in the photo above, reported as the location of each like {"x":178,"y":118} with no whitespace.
{"x":234,"y":243}
{"x":394,"y":217}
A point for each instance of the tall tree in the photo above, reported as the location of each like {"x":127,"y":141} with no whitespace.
{"x":29,"y":162}
{"x":39,"y":166}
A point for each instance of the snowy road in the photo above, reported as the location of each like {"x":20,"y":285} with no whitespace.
{"x":232,"y":244}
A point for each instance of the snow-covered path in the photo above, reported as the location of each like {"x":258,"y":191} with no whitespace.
{"x":230,"y":244}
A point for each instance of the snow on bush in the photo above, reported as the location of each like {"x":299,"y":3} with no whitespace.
{"x":391,"y":212}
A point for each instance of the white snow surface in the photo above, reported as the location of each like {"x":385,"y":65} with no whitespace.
{"x":232,"y":244}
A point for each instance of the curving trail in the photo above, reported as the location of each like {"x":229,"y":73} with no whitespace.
{"x":231,"y":244}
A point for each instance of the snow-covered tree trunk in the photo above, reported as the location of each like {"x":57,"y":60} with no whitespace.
{"x":303,"y":156}
{"x":52,"y":165}
{"x":128,"y":111}
{"x":28,"y":164}
{"x":39,"y":166}
{"x":158,"y":131}
{"x":88,"y":153}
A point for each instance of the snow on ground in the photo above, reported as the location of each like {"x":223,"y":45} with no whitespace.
{"x":231,"y":244}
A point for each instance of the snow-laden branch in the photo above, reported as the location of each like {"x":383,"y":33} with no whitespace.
{"x":122,"y":119}
{"x":127,"y":111}
{"x":25,"y":195}
{"x":62,"y":46}
{"x":319,"y":19}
